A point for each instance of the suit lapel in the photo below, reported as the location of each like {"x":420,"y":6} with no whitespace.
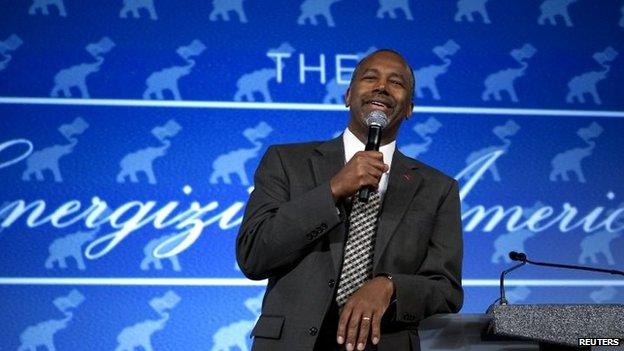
{"x":402,"y":185}
{"x":329,"y":160}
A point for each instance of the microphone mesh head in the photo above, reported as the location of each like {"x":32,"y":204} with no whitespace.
{"x":377,"y":118}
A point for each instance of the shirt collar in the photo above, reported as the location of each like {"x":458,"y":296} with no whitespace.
{"x":352,"y":145}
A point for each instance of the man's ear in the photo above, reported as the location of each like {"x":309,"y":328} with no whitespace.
{"x":410,"y":111}
{"x":347,"y":96}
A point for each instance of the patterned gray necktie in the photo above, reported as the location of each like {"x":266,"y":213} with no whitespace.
{"x":358,"y":254}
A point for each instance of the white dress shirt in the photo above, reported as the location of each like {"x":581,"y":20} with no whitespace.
{"x":352,"y":145}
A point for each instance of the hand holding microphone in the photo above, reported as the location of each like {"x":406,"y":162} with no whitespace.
{"x":364,"y":170}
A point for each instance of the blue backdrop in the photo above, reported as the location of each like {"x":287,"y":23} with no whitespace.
{"x":130,"y":131}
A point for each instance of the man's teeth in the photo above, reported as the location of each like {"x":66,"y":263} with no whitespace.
{"x":378,"y":103}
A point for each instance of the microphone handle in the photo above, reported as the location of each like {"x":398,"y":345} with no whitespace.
{"x":374,"y":140}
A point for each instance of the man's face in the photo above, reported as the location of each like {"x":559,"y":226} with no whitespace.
{"x":382,"y":83}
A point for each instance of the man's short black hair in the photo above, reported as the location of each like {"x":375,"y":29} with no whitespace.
{"x":412,"y":79}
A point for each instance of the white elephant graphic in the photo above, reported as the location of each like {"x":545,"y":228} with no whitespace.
{"x":167,"y":79}
{"x":466,"y":9}
{"x":49,"y":158}
{"x":42,"y":334}
{"x":570,"y":160}
{"x":12,"y":43}
{"x":149,"y":259}
{"x":255,"y":82}
{"x":551,"y":9}
{"x":598,"y":244}
{"x":133,"y":6}
{"x":236,"y":335}
{"x":42,"y":5}
{"x":518,"y":294}
{"x":223,"y":7}
{"x":234,"y":162}
{"x":504,"y":80}
{"x":388,"y":7}
{"x":430,"y":126}
{"x":428,"y":75}
{"x":142,"y":161}
{"x":502,"y":132}
{"x":140,"y":334}
{"x":69,"y":246}
{"x":312,"y":8}
{"x":587,"y":83}
{"x":603,"y":295}
{"x":76,"y":76}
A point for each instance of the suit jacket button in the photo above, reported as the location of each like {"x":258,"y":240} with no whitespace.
{"x":331,"y":283}
{"x":313,"y":331}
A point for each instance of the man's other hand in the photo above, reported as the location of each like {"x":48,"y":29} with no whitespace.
{"x":364,"y":169}
{"x":361,"y":314}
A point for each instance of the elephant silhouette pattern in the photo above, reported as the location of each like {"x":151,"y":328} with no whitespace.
{"x":587,"y":83}
{"x":167,"y":79}
{"x":140,"y":334}
{"x":233,"y":162}
{"x":570,"y":160}
{"x":551,"y":9}
{"x":235,"y":335}
{"x":518,"y":294}
{"x":467,"y":8}
{"x":42,"y":334}
{"x":48,"y":159}
{"x":312,"y":8}
{"x":69,"y":246}
{"x":603,"y":295}
{"x":515,"y":240}
{"x":150,"y":260}
{"x":502,"y":132}
{"x":427,"y":76}
{"x":42,"y":5}
{"x":76,"y":76}
{"x":142,"y":161}
{"x":12,"y":43}
{"x":504,"y":80}
{"x":423,"y":130}
{"x":334,"y":90}
{"x":600,"y":244}
{"x":389,"y":7}
{"x":221,"y":8}
{"x":134,"y":6}
{"x":258,"y":81}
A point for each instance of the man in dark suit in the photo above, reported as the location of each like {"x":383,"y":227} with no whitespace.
{"x":297,"y":224}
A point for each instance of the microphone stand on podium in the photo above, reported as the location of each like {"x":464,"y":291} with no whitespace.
{"x":556,"y":326}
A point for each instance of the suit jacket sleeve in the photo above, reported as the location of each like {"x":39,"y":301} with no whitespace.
{"x":279,"y":229}
{"x":436,"y":286}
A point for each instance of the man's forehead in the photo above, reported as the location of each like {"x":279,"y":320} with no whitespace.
{"x":374,"y":61}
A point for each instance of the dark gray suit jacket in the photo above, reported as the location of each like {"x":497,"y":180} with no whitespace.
{"x":293,"y":235}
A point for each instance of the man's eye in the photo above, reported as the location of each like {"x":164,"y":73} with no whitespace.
{"x":368,"y":77}
{"x":397,"y":82}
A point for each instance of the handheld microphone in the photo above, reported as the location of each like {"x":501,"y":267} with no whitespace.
{"x":376,"y":121}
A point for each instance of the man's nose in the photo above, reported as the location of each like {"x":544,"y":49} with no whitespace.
{"x":380,"y":87}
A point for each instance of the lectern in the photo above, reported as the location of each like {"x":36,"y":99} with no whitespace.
{"x":557,"y":326}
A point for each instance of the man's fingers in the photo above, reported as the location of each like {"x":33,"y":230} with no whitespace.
{"x":342,"y":324}
{"x":365,"y":325}
{"x":376,"y":328}
{"x":353,"y":329}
